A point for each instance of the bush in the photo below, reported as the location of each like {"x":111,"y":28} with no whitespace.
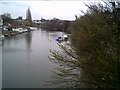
{"x":92,"y":60}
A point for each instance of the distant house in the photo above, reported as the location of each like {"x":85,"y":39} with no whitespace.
{"x":19,"y":19}
{"x":37,"y":21}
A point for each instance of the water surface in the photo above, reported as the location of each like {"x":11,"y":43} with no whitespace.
{"x":25,"y":62}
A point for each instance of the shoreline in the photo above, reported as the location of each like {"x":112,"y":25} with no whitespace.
{"x":13,"y":33}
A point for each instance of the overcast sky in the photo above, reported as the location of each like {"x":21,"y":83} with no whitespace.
{"x":47,"y":9}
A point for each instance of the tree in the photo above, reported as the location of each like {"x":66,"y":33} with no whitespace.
{"x":92,"y":59}
{"x":116,"y":14}
{"x":6,"y":18}
{"x":26,"y":23}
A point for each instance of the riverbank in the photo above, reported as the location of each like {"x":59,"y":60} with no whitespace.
{"x":11,"y":33}
{"x":6,"y":33}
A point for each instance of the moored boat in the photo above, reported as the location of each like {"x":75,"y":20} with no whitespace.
{"x":63,"y":38}
{"x":2,"y":36}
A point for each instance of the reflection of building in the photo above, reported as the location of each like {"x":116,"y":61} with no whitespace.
{"x":28,"y":15}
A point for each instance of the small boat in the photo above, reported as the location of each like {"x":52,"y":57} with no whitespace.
{"x":63,"y":38}
{"x":2,"y":36}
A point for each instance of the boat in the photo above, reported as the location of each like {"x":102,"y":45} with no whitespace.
{"x":20,"y":30}
{"x":33,"y":28}
{"x":2,"y":36}
{"x":63,"y":38}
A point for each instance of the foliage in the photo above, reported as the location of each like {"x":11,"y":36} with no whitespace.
{"x":26,"y":23}
{"x":56,"y":25}
{"x":6,"y":18}
{"x":92,"y":60}
{"x":68,"y":72}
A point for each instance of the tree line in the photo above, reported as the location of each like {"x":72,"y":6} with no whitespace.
{"x":15,"y":23}
{"x":56,"y":25}
{"x":50,"y":25}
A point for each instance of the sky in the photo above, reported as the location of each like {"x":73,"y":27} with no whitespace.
{"x":47,"y":9}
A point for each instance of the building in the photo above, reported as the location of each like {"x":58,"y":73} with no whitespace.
{"x":28,"y":15}
{"x":19,"y":19}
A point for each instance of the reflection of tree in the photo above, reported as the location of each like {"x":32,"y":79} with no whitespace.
{"x":28,"y":38}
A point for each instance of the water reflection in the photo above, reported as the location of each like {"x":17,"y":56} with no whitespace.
{"x":28,"y":38}
{"x":25,"y":59}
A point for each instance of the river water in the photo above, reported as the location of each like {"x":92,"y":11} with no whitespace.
{"x":25,"y":62}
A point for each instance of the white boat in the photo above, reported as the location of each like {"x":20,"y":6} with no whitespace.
{"x":63,"y":38}
{"x":20,"y":30}
{"x":33,"y":28}
{"x":16,"y":29}
{"x":2,"y":36}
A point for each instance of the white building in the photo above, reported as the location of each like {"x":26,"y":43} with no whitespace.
{"x":37,"y":21}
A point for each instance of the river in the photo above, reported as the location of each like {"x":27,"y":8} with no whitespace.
{"x":25,"y":62}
